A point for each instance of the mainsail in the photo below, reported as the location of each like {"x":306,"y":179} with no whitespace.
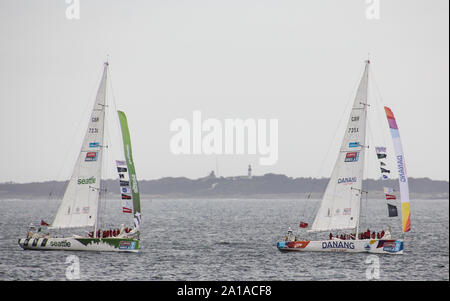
{"x":131,"y":170}
{"x":340,"y":206}
{"x":79,"y":207}
{"x":402,"y":176}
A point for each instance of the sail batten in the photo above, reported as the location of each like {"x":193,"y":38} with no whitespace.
{"x":340,"y":206}
{"x":79,"y":206}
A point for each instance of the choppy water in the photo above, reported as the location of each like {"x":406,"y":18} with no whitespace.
{"x":226,"y":239}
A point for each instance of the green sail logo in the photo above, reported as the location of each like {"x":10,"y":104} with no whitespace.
{"x":91,"y":180}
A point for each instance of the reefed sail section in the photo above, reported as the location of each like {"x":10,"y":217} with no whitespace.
{"x":340,"y":205}
{"x":402,"y":176}
{"x":80,"y":202}
{"x":131,"y":170}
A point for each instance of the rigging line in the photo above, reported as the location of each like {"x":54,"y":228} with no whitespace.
{"x":380,"y":104}
{"x":113,"y":97}
{"x":115,"y":118}
{"x":385,"y":130}
{"x":106,"y":153}
{"x":367,"y":168}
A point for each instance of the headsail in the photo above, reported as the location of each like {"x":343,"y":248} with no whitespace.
{"x":402,"y":176}
{"x":340,"y":206}
{"x":131,"y":170}
{"x":79,"y":207}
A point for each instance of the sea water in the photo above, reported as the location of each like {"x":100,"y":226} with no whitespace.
{"x":226,"y":239}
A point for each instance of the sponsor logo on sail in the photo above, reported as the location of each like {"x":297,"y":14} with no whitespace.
{"x":401,"y":168}
{"x":355,"y":118}
{"x":91,"y":156}
{"x":353,"y":144}
{"x":351,"y":157}
{"x":94,"y":144}
{"x":347,"y":180}
{"x":347,"y":211}
{"x":90,"y":180}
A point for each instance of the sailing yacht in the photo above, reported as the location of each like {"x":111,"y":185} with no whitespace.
{"x":341,"y":203}
{"x":79,"y":207}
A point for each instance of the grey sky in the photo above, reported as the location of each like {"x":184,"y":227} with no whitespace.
{"x":297,"y":61}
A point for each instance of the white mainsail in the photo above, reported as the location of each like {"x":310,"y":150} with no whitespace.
{"x":340,"y":206}
{"x":79,"y":207}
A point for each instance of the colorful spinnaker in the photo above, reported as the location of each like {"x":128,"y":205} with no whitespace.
{"x":402,"y":176}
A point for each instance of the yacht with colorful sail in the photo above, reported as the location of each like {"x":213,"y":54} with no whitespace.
{"x":79,"y":208}
{"x":340,"y":208}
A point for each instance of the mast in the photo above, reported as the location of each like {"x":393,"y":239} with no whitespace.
{"x":363,"y":147}
{"x":105,"y":72}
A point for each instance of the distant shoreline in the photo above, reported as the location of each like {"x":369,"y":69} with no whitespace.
{"x":269,"y":186}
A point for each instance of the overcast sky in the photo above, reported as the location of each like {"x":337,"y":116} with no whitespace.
{"x":295,"y":61}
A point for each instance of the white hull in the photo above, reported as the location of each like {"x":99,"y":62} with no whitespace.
{"x":377,"y":246}
{"x":113,"y":244}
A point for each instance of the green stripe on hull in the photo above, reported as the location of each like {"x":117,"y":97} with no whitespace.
{"x":118,"y":243}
